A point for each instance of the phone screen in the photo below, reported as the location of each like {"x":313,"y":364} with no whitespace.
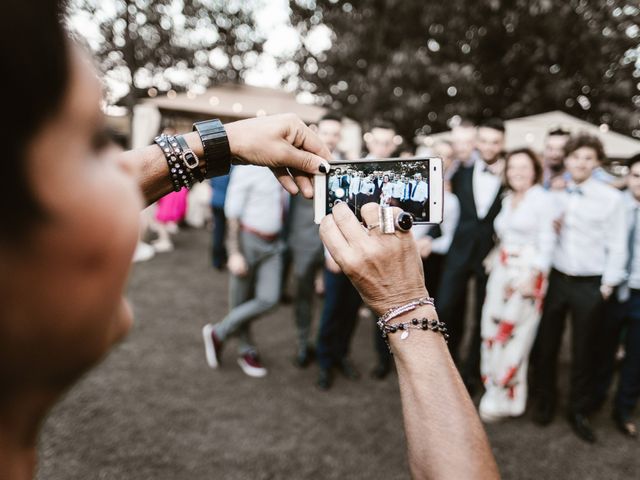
{"x":402,"y":183}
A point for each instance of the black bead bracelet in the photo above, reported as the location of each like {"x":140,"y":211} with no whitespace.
{"x":414,"y":324}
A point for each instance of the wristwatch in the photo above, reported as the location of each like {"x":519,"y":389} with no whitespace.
{"x":217,"y":154}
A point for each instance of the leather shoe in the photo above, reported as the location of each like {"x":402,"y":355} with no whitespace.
{"x":325,"y":379}
{"x":625,"y":425}
{"x":380,"y":371}
{"x":582,"y":427}
{"x":348,"y":370}
{"x":304,"y":357}
{"x":543,"y":413}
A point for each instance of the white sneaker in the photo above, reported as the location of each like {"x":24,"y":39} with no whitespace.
{"x":251,"y":365}
{"x":162,"y":246}
{"x":143,"y":252}
{"x":212,"y":346}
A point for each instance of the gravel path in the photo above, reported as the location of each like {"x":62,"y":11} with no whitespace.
{"x":154,"y":410}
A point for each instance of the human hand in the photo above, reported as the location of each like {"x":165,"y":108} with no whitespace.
{"x":424,"y":246}
{"x":385,"y":268}
{"x":284,"y":144}
{"x":331,"y":264}
{"x":606,"y":291}
{"x":557,"y":225}
{"x":237,"y":265}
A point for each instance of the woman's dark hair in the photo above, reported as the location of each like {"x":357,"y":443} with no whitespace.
{"x":535,"y":162}
{"x":34,"y":51}
{"x":585,"y":140}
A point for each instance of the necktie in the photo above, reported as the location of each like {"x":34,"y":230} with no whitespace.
{"x":576,"y":189}
{"x":623,"y":289}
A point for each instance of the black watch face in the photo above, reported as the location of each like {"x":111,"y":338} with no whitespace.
{"x":405,"y":221}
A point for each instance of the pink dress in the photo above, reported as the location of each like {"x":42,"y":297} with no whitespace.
{"x":172,"y":207}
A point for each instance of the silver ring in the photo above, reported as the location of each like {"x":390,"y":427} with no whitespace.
{"x":387,"y":222}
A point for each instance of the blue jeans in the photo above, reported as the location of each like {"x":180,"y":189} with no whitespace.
{"x":218,"y":249}
{"x":338,"y":320}
{"x":618,"y":316}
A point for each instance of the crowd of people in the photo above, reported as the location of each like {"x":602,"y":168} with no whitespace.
{"x":542,"y":239}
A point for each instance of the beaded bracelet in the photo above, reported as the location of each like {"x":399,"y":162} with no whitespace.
{"x":414,"y":324}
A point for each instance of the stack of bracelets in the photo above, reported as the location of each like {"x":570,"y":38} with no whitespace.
{"x":185,"y":167}
{"x":414,"y":324}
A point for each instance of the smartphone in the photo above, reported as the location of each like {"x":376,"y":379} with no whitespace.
{"x":413,"y":184}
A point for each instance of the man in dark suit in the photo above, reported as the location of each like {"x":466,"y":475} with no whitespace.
{"x":478,"y":186}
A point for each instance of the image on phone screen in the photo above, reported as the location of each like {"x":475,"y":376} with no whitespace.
{"x":402,"y":183}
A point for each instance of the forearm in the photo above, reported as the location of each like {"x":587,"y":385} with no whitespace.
{"x":233,"y":236}
{"x":153,"y":175}
{"x":444,"y":435}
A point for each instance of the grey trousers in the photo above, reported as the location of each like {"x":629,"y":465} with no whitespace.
{"x":255,"y":293}
{"x":306,"y":265}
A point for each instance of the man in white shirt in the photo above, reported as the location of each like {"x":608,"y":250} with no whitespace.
{"x":623,"y":312}
{"x":419,"y":195}
{"x":589,"y":262}
{"x":477,"y":183}
{"x":254,"y":209}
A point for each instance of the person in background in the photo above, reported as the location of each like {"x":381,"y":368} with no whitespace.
{"x":478,"y":187}
{"x":434,"y":240}
{"x":622,"y":314}
{"x":588,"y":263}
{"x":463,"y":141}
{"x":219,"y":187}
{"x":515,"y":288}
{"x":254,"y":211}
{"x":307,"y":254}
{"x":553,"y":176}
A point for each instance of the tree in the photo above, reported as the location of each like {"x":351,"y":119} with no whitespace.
{"x":418,"y":63}
{"x":162,"y":45}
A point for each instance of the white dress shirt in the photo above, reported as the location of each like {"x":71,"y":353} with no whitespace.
{"x":256,"y":198}
{"x":485,"y":187}
{"x":367,"y":186}
{"x":354,"y":185}
{"x":420,"y":191}
{"x":593,"y":238}
{"x":529,"y":223}
{"x":398,"y":190}
{"x":633,"y":209}
{"x":451,"y":215}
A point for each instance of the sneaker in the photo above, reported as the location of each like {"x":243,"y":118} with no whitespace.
{"x":161,"y":246}
{"x":143,"y":252}
{"x":251,"y":365}
{"x":212,"y":346}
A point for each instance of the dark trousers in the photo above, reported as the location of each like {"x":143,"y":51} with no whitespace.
{"x":338,"y":320}
{"x":433,"y":268}
{"x":619,"y":316}
{"x":219,"y":251}
{"x":579,"y":296}
{"x":451,"y":302}
{"x":305,"y":281}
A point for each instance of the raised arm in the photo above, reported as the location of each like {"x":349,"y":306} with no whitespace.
{"x":281,"y":142}
{"x":444,"y":435}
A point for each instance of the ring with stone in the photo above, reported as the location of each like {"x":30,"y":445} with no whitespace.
{"x":404,"y":221}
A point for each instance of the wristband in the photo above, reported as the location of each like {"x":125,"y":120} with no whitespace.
{"x":190,"y":159}
{"x":217,"y":154}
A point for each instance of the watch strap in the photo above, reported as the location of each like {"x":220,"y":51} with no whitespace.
{"x":217,"y":154}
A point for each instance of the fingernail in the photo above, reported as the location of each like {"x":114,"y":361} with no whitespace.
{"x":322,"y":168}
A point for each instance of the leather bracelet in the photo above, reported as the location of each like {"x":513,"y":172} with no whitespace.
{"x":190,"y":159}
{"x":217,"y":153}
{"x":186,"y":175}
{"x":175,"y":173}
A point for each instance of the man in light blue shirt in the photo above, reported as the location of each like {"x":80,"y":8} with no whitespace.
{"x":623,"y":312}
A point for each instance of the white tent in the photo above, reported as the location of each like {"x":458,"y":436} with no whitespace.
{"x":531,"y":132}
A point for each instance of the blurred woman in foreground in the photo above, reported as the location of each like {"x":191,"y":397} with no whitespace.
{"x":73,"y":211}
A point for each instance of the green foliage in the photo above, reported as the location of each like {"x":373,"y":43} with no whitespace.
{"x":419,"y":62}
{"x":171,"y":44}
